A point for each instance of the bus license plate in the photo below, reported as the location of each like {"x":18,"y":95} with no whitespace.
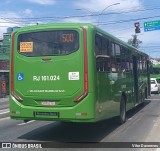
{"x":46,"y":114}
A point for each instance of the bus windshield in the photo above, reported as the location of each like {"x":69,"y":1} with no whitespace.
{"x":48,"y":43}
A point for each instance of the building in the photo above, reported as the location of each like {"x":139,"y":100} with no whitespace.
{"x":155,"y":61}
{"x":4,"y":61}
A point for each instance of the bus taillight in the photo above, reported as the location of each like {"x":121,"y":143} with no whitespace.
{"x":18,"y":98}
{"x":86,"y":82}
{"x":85,"y":92}
{"x":12,"y":64}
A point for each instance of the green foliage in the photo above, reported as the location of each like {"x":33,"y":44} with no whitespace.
{"x":134,"y":41}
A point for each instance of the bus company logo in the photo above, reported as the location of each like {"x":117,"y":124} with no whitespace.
{"x":6,"y":145}
{"x":20,"y":76}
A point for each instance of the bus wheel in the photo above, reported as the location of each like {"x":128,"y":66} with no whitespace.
{"x":25,"y":121}
{"x":146,"y":93}
{"x":122,"y":110}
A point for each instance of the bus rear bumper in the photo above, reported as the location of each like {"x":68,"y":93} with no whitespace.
{"x":77,"y":113}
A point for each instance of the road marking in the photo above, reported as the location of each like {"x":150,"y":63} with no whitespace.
{"x":26,"y":123}
{"x":5,"y":118}
{"x":4,"y":112}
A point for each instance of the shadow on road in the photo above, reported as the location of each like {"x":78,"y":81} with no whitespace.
{"x":78,"y":132}
{"x":137,"y":109}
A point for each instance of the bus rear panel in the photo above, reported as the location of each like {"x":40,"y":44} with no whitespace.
{"x":49,"y":75}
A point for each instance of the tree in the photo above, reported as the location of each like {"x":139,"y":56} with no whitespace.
{"x":134,"y":41}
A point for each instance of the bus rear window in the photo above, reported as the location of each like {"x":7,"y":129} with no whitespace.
{"x":48,"y":43}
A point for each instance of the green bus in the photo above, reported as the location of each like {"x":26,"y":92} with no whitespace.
{"x":74,"y":72}
{"x":155,"y":71}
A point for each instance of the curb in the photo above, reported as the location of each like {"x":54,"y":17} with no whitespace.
{"x":4,"y":113}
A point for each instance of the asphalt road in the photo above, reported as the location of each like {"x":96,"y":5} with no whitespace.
{"x":4,"y":103}
{"x":142,"y":125}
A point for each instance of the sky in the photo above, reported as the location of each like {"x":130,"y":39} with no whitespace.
{"x":116,"y":17}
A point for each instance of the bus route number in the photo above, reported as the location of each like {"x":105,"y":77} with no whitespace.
{"x":68,"y":37}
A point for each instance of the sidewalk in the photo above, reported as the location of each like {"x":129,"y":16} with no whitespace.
{"x":4,"y":107}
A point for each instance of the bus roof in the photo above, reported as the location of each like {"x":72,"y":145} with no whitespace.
{"x":71,"y":25}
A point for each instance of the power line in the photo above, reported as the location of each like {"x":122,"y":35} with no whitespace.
{"x":10,"y":21}
{"x":57,"y":18}
{"x":121,"y":30}
{"x":134,"y":11}
{"x":150,"y":46}
{"x":123,"y":21}
{"x":130,"y":20}
{"x":65,"y":17}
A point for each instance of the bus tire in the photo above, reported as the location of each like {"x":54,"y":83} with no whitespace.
{"x":122,"y":110}
{"x":25,"y":121}
{"x":146,"y":93}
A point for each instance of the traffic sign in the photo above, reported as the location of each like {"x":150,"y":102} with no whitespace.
{"x":152,"y":25}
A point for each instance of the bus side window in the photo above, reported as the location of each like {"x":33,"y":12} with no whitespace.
{"x":112,"y":50}
{"x":105,"y":46}
{"x":98,"y":45}
{"x":144,"y":65}
{"x":117,"y":50}
{"x":115,"y":57}
{"x":101,"y":45}
{"x":102,"y":54}
{"x":126,"y":65}
{"x":103,"y":64}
